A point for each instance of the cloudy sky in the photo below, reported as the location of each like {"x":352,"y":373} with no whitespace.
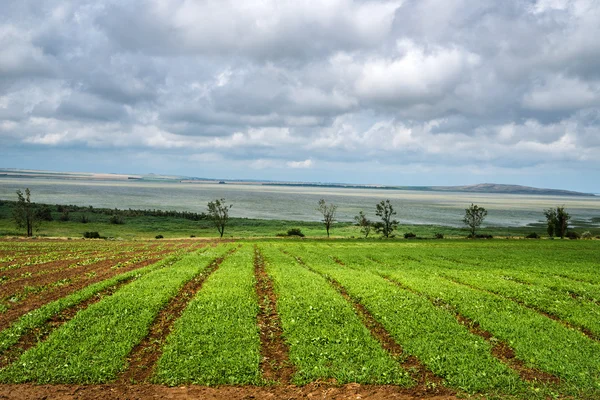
{"x":413,"y":92}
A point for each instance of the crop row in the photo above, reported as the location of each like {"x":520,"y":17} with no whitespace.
{"x":447,"y":314}
{"x":93,"y":346}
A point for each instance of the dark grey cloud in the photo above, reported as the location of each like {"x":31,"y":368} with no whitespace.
{"x":420,"y":85}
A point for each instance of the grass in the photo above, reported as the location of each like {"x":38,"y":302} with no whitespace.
{"x":216,"y":340}
{"x":326,"y":338}
{"x":91,"y":348}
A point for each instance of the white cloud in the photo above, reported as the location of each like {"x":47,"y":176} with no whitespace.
{"x":300,"y":164}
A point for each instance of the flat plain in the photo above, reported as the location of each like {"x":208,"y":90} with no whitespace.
{"x":293,"y":318}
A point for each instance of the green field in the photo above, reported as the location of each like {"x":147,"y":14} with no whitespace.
{"x":448,"y":306}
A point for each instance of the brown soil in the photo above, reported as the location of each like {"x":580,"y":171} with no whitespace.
{"x":275,"y":364}
{"x":427,"y":382}
{"x":144,"y":356}
{"x":287,"y":392}
{"x":553,"y":317}
{"x":37,"y":335}
{"x":37,"y":300}
{"x":501,"y":350}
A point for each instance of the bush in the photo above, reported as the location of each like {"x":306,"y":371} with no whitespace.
{"x":295,"y":232}
{"x":64,"y":216}
{"x":532,"y":235}
{"x":439,"y":236}
{"x":117,"y":220}
{"x":481,"y":236}
{"x":409,"y":235}
{"x":159,"y":237}
{"x":84,"y":219}
{"x":587,"y":235}
{"x":573,"y":235}
{"x":44,"y":213}
{"x":91,"y":235}
{"x":192,"y":236}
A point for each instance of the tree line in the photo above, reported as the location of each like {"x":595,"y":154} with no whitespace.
{"x":27,"y":216}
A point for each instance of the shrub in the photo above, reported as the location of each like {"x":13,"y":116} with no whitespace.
{"x":409,"y":235}
{"x":295,"y":232}
{"x":91,"y":235}
{"x":192,"y":236}
{"x":481,"y":236}
{"x":573,"y":235}
{"x":439,"y":236}
{"x":587,"y":235}
{"x":44,"y":213}
{"x":532,"y":235}
{"x":116,"y":219}
{"x":84,"y":219}
{"x":64,"y":216}
{"x":158,"y":237}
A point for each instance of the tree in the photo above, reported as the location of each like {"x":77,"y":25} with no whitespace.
{"x":218,"y":212}
{"x":24,"y":213}
{"x":550,"y":215}
{"x":364,"y":223}
{"x":328,"y":212}
{"x":474,"y":216}
{"x":558,"y":221}
{"x":386,"y":212}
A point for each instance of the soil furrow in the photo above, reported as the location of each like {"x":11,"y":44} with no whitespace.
{"x":553,"y":317}
{"x":428,"y":383}
{"x":40,"y":334}
{"x":275,"y":364}
{"x":38,"y":300}
{"x":142,"y":359}
{"x":501,"y":350}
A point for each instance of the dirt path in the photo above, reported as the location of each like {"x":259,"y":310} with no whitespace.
{"x":156,"y":392}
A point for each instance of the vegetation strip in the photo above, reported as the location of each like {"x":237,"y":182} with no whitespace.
{"x":92,"y":347}
{"x":327,"y":341}
{"x":275,"y":364}
{"x":434,"y":336}
{"x":63,"y":289}
{"x":216,"y":341}
{"x":427,"y":382}
{"x":500,"y":349}
{"x":538,"y":341}
{"x":564,"y":309}
{"x":143,"y":358}
{"x":39,"y":334}
{"x":37,"y":318}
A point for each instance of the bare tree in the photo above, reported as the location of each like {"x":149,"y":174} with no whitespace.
{"x":24,"y":213}
{"x":386,"y":212}
{"x":364,"y":223}
{"x":474,"y":216}
{"x":328,"y":212}
{"x":218,"y":213}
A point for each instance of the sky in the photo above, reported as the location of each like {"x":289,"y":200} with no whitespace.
{"x":413,"y":92}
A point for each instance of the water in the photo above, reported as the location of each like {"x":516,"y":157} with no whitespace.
{"x":299,"y":203}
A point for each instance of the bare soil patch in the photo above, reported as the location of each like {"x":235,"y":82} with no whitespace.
{"x":275,"y":364}
{"x":287,"y":392}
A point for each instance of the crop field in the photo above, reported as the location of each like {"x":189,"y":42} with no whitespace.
{"x":300,"y":318}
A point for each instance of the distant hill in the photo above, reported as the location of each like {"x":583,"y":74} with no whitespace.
{"x":479,"y":188}
{"x":508,"y":189}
